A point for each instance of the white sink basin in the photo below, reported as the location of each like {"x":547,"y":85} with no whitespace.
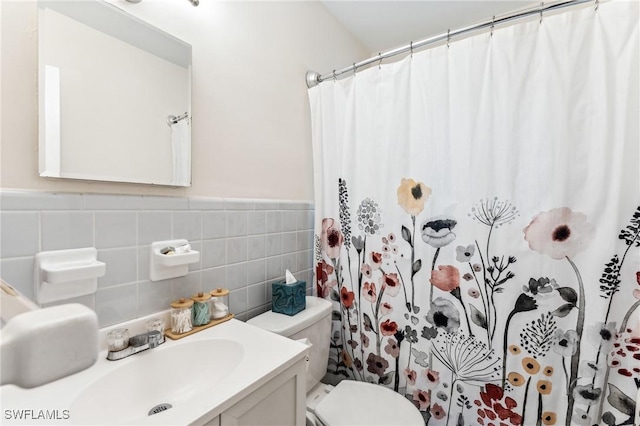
{"x":166,"y":375}
{"x":201,"y":376}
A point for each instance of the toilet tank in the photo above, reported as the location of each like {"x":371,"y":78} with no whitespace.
{"x":313,"y":323}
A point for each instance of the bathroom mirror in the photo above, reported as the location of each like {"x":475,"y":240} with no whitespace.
{"x":109,"y":84}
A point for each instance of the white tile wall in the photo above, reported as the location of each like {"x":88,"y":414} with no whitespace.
{"x":245,"y":245}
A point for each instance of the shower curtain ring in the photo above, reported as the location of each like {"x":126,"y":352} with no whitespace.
{"x":334,"y":76}
{"x":597,"y":4}
{"x":492,"y":25}
{"x":380,"y":63}
{"x":411,"y":49}
{"x":354,"y":69}
{"x":541,"y":7}
{"x":448,"y":37}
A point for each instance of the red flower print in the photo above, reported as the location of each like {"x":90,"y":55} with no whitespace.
{"x":446,"y":278}
{"x":495,"y":407}
{"x":347,"y":297}
{"x":386,"y":308}
{"x":388,"y":328}
{"x":323,"y":285}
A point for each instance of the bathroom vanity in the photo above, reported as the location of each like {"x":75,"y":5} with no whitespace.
{"x":230,"y":374}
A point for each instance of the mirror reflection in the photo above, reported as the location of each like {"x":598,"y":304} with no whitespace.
{"x":114,"y":96}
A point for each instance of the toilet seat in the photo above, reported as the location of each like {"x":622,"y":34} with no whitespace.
{"x":358,"y":403}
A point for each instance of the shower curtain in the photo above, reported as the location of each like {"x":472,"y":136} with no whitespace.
{"x":477,"y":223}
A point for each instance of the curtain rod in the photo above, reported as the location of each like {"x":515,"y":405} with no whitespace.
{"x":314,"y":78}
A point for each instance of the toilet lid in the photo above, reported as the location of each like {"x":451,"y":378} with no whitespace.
{"x":358,"y":403}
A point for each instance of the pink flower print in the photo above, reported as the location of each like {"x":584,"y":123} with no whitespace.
{"x":369,"y":291}
{"x":366,"y":270}
{"x":432,"y":377}
{"x":421,"y":399}
{"x":390,"y":284}
{"x":410,"y":376}
{"x":376,"y":260}
{"x":331,"y":238}
{"x":386,"y":308}
{"x":437,"y":411}
{"x":473,"y":292}
{"x":559,"y":233}
{"x":392,"y":348}
{"x":446,"y":278}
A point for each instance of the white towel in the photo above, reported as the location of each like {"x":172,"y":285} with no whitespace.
{"x":181,"y":145}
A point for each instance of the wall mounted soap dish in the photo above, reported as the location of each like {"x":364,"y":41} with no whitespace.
{"x":171,"y":259}
{"x":65,"y":274}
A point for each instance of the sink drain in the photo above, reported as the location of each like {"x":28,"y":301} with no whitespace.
{"x":159,"y":409}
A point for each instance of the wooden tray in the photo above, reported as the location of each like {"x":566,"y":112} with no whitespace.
{"x":170,"y":334}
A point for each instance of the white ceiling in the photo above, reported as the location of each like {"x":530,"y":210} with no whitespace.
{"x":384,"y":25}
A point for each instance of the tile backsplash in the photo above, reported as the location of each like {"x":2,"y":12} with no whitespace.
{"x":244,"y":246}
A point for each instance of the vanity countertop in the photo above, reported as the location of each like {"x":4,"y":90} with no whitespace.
{"x":201,"y":376}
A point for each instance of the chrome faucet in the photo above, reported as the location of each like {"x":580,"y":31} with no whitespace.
{"x":139,"y":343}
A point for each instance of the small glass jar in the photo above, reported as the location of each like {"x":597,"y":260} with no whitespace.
{"x":181,"y":321}
{"x":219,"y":303}
{"x":118,"y":339}
{"x":201,"y":308}
{"x":155,"y":324}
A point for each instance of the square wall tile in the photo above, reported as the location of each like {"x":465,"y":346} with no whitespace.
{"x":122,"y":266}
{"x":236,"y":250}
{"x":256,"y":271}
{"x":238,"y":301}
{"x":289,"y":242}
{"x":274,"y":267}
{"x":256,"y":296}
{"x":214,"y":225}
{"x":116,"y":304}
{"x":187,"y":225}
{"x":144,"y":263}
{"x":274,"y":244}
{"x":236,"y":276}
{"x":186,"y":286}
{"x":214,"y":278}
{"x":20,"y":233}
{"x":236,"y":223}
{"x":256,"y":222}
{"x":66,"y":230}
{"x":153,"y":297}
{"x":214,"y":253}
{"x":289,"y":220}
{"x":153,"y":226}
{"x":18,"y":273}
{"x":256,"y":247}
{"x":115,"y":229}
{"x":274,"y":221}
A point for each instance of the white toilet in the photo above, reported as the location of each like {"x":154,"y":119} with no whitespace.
{"x":350,"y":403}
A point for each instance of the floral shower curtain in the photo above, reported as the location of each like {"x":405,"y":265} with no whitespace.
{"x":477,"y":223}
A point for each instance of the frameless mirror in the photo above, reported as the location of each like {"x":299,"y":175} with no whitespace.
{"x":114,"y":96}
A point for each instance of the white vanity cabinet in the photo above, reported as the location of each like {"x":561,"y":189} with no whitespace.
{"x":278,"y":402}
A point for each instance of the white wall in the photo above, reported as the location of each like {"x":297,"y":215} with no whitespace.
{"x":251,"y":128}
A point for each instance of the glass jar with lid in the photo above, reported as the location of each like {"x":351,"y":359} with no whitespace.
{"x":181,"y":316}
{"x":201,"y":308}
